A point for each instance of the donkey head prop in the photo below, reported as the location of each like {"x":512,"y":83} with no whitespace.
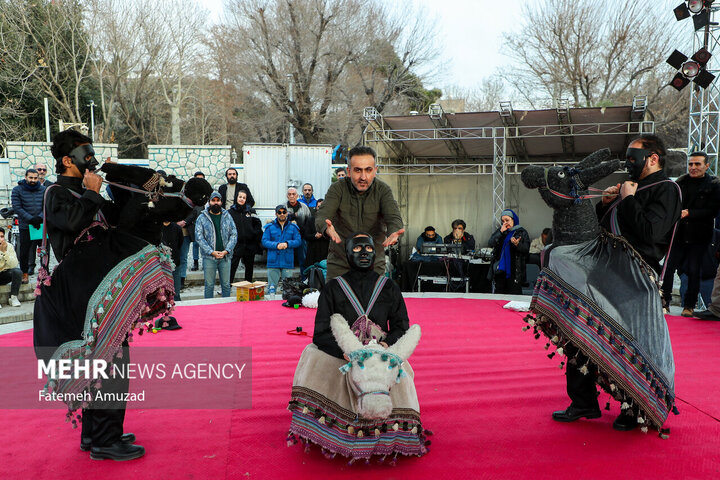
{"x":373,"y":369}
{"x":565,"y":189}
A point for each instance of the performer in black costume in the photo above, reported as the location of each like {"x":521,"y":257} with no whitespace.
{"x":79,"y":224}
{"x":361,"y":279}
{"x":646,"y":219}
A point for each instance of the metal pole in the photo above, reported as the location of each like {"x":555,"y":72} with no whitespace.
{"x":92,"y":118}
{"x":47,"y":121}
{"x":290,"y":97}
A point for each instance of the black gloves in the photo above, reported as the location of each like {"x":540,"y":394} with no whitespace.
{"x":36,"y":221}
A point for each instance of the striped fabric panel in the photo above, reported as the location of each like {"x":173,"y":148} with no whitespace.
{"x":117,"y":304}
{"x":622,"y":360}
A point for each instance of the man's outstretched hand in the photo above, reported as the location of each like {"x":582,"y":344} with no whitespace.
{"x":330,"y":231}
{"x":392,"y":239}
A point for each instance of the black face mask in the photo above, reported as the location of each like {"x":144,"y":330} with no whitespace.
{"x":216,"y":208}
{"x":364,"y":259}
{"x":79,"y":156}
{"x":635,"y":162}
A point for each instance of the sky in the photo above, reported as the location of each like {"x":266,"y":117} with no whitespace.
{"x":467,"y":57}
{"x":470,"y":35}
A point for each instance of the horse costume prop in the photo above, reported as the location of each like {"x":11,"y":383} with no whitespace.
{"x":596,"y":294}
{"x":373,"y":369}
{"x":361,"y":408}
{"x":126,"y":278}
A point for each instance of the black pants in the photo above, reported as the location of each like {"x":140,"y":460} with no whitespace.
{"x":687,"y":257}
{"x":248,"y":261}
{"x":581,"y":388}
{"x":102,"y":422}
{"x":12,"y":276}
{"x":507,"y":285}
{"x":28,"y":248}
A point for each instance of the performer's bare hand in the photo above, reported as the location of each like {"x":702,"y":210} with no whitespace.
{"x":393,"y":238}
{"x":610,"y":194}
{"x":181,"y":223}
{"x":330,"y":230}
{"x":92,"y":181}
{"x":628,"y":188}
{"x":684,"y":213}
{"x":318,"y":235}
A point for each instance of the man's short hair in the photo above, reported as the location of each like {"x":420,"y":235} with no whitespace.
{"x":700,"y":154}
{"x":30,"y":170}
{"x":457,"y":222}
{"x":2,"y":230}
{"x":231,"y":168}
{"x":310,"y":185}
{"x":292,"y":188}
{"x":199,"y":173}
{"x":654,"y":144}
{"x":547,"y":231}
{"x":63,"y":143}
{"x":429,"y":228}
{"x":340,"y":169}
{"x":362,"y":150}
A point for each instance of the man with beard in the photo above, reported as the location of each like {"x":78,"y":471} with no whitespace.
{"x":645,"y":215}
{"x":27,"y":202}
{"x":216,"y":235}
{"x":229,"y":191}
{"x":363,"y":203}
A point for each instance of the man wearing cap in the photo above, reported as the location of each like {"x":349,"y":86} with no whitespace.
{"x":363,"y":203}
{"x":216,"y":235}
{"x":280,"y":238}
{"x":428,"y":236}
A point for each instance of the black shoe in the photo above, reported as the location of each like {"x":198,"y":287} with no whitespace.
{"x":86,"y":443}
{"x":625,"y":422}
{"x":195,"y":266}
{"x":706,"y":315}
{"x":118,"y":451}
{"x":571,"y":414}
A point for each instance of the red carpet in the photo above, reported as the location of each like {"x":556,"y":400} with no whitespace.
{"x":486,"y":389}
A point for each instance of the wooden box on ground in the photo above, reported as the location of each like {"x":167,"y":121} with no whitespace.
{"x":250,"y":290}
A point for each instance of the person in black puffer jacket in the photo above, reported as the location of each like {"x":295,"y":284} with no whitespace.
{"x":249,"y":233}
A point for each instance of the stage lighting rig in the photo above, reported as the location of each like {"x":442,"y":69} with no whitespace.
{"x":691,"y":70}
{"x":698,"y":9}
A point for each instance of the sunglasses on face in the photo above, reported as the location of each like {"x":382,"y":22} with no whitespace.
{"x":282,"y":212}
{"x":41,"y":169}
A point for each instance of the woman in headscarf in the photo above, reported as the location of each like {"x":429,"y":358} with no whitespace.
{"x":511,"y":244}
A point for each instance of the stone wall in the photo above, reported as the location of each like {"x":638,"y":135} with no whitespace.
{"x":185,"y":160}
{"x":24,"y":155}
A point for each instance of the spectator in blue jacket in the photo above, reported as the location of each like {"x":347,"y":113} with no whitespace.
{"x":216,"y":236}
{"x":27,"y":202}
{"x":280,"y":238}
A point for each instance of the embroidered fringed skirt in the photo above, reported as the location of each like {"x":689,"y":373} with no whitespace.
{"x":602,"y":299}
{"x":324,"y":410}
{"x":102,"y":290}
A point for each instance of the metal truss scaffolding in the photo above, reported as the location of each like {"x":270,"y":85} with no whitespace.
{"x":704,"y":125}
{"x":496,"y":143}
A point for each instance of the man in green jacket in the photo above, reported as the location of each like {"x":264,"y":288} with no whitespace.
{"x":357,"y":203}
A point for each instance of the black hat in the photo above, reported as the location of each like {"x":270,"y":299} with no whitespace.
{"x":167,"y":323}
{"x":281,"y":207}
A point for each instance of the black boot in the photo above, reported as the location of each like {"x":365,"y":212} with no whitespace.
{"x":118,"y":451}
{"x":195,"y":266}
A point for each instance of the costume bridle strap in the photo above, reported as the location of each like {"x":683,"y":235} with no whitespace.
{"x":350,"y":294}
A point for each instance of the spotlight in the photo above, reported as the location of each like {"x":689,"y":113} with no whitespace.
{"x":691,"y":70}
{"x":698,"y":9}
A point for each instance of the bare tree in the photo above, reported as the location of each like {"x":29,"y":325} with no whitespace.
{"x":44,"y":48}
{"x":311,"y":60}
{"x":592,"y":52}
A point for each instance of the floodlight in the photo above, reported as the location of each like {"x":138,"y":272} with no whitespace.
{"x":698,"y":9}
{"x":692,"y":69}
